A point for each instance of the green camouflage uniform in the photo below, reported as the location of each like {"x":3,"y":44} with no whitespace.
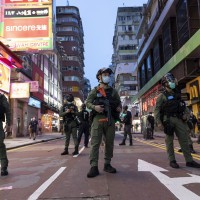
{"x":98,"y":129}
{"x":4,"y":108}
{"x":180,"y":129}
{"x":70,"y":126}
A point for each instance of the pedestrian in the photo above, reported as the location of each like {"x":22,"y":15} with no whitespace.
{"x":33,"y":127}
{"x":69,"y":111}
{"x":30,"y":128}
{"x":171,"y":115}
{"x":127,"y":120}
{"x":4,"y":110}
{"x":39,"y":127}
{"x":105,"y":104}
{"x":84,"y":125}
{"x":151,"y":121}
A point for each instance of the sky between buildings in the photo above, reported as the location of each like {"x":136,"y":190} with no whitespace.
{"x":98,"y":18}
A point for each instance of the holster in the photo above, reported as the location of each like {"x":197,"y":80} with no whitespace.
{"x":168,"y":128}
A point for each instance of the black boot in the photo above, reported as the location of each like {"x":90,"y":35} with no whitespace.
{"x":193,"y":164}
{"x":94,"y":171}
{"x":65,"y":152}
{"x":4,"y":171}
{"x":108,"y":168}
{"x":131,"y":143}
{"x":75,"y":151}
{"x":122,"y":143}
{"x":192,"y":149}
{"x":174,"y":164}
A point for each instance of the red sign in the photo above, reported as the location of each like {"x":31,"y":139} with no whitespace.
{"x":26,"y":28}
{"x":28,"y":1}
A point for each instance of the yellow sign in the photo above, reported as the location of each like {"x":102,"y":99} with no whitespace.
{"x":20,"y":90}
{"x":193,"y":88}
{"x":4,"y":78}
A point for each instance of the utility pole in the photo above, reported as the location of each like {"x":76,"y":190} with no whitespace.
{"x":67,"y":3}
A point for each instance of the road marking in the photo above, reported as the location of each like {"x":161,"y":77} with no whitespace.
{"x":6,"y":188}
{"x":175,"y":185}
{"x":46,"y":184}
{"x":162,"y":146}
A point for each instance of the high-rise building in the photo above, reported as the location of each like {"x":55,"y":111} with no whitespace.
{"x":70,"y":43}
{"x":124,"y":59}
{"x":169,"y":35}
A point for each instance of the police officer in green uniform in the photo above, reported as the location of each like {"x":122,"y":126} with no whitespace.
{"x":4,"y":110}
{"x":171,"y":114}
{"x":105,"y":104}
{"x":68,"y":111}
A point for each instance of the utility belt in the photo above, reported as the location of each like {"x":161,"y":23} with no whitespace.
{"x":172,"y":115}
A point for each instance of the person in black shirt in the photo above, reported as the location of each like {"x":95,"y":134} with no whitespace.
{"x":127,"y":120}
{"x":84,"y":125}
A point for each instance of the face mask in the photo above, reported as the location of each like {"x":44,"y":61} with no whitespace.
{"x":172,"y":85}
{"x":106,"y":79}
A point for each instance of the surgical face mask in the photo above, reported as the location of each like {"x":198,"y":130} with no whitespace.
{"x":172,"y":85}
{"x":106,"y":79}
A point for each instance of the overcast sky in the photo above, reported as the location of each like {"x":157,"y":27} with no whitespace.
{"x":98,"y":18}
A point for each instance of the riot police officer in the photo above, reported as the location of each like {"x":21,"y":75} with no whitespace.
{"x":4,"y":110}
{"x":68,"y":111}
{"x":171,"y":114}
{"x":127,"y":120}
{"x":84,"y":125}
{"x":105,"y":104}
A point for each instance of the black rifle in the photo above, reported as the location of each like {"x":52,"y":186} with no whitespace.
{"x":107,"y":109}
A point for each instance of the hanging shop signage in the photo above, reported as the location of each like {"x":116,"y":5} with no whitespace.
{"x":4,"y":77}
{"x":33,"y":102}
{"x":19,"y":90}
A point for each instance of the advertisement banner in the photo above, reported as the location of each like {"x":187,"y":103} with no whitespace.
{"x":28,"y":1}
{"x":20,"y":28}
{"x":4,"y":78}
{"x":27,"y":28}
{"x":19,"y":90}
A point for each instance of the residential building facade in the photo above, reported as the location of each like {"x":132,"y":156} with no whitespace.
{"x":170,"y":43}
{"x":70,"y":42}
{"x":124,"y":58}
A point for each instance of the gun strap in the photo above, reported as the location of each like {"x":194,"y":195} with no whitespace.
{"x":101,"y":91}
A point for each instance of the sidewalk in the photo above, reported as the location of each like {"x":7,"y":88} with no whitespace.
{"x":12,"y":143}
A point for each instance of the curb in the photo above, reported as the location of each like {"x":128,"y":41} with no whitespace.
{"x":37,"y":142}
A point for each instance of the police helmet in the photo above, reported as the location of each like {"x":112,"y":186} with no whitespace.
{"x":169,"y":77}
{"x":103,"y":70}
{"x":69,"y":98}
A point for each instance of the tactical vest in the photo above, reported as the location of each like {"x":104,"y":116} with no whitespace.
{"x":173,"y":106}
{"x":84,"y":115}
{"x":69,"y":116}
{"x":112,"y":101}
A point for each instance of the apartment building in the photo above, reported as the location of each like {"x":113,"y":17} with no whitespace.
{"x":169,"y":42}
{"x":70,"y":43}
{"x":124,"y":58}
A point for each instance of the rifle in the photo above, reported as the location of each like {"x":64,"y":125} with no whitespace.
{"x":107,"y":110}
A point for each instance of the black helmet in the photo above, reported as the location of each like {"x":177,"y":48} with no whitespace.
{"x":103,"y":70}
{"x":169,"y":77}
{"x":125,"y":107}
{"x":69,"y":98}
{"x":83,"y":106}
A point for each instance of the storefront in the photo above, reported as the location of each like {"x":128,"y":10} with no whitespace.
{"x":147,"y":105}
{"x":50,"y":122}
{"x":193,"y":88}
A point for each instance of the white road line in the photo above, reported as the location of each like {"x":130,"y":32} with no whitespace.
{"x":6,"y":188}
{"x":75,"y":156}
{"x":45,"y":185}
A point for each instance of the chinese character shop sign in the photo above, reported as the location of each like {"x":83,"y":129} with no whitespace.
{"x":28,"y":28}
